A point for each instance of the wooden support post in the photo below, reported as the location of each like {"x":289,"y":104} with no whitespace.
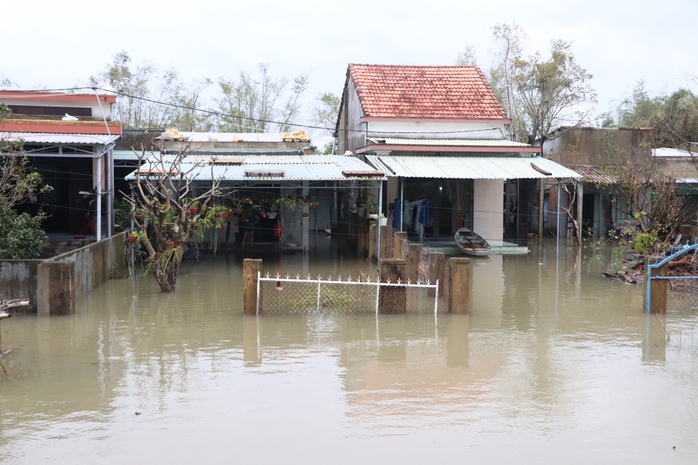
{"x":459,"y":286}
{"x":658,"y":289}
{"x":393,"y":299}
{"x":372,"y":239}
{"x":250,"y":269}
{"x":436,"y":271}
{"x":414,"y":256}
{"x":400,"y":238}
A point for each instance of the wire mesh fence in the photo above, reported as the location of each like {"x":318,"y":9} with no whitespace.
{"x":682,"y":294}
{"x":362,"y":294}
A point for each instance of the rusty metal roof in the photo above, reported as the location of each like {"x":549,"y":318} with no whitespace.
{"x":594,"y":175}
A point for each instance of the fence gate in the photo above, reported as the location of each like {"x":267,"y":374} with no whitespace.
{"x":679,"y":283}
{"x":360,"y":294}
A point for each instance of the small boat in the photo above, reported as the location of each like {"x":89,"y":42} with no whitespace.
{"x":471,"y":243}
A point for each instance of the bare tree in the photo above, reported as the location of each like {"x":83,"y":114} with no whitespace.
{"x":170,"y":208}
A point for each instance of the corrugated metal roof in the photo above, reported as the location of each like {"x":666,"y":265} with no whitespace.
{"x":271,"y":168}
{"x":448,"y":142}
{"x":594,"y":175}
{"x":130,"y":155}
{"x":669,"y":152}
{"x":470,"y":167}
{"x":58,"y":138}
{"x":232,"y":137}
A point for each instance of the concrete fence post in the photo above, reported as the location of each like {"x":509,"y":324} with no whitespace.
{"x":435,"y":271}
{"x":392,"y":299}
{"x":459,"y":286}
{"x":414,"y":257}
{"x":385,"y":238}
{"x":55,"y":282}
{"x":657,"y":289}
{"x":250,"y":269}
{"x":400,"y":239}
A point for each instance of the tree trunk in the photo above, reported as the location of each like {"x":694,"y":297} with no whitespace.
{"x":167,"y":267}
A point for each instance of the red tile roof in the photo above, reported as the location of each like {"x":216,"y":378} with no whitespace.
{"x":459,"y":92}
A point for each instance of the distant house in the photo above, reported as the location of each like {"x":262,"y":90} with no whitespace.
{"x":585,"y":150}
{"x":444,"y":143}
{"x":69,"y":137}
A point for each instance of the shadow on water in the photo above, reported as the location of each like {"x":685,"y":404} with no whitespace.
{"x":552,"y":361}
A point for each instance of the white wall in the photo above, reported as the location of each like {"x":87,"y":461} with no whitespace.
{"x":489,"y":207}
{"x":437,"y":130}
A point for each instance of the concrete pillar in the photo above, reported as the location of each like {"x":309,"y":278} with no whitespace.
{"x":250,"y":267}
{"x":400,"y":239}
{"x":658,"y":289}
{"x":392,"y":299}
{"x":459,"y":287}
{"x":55,"y":288}
{"x":414,"y":257}
{"x":436,"y":264}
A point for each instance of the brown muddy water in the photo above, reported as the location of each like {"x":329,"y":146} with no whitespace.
{"x":554,"y":364}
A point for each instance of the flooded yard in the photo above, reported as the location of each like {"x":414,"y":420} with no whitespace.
{"x":554,"y":364}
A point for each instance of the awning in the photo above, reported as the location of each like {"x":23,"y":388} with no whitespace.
{"x":470,"y":167}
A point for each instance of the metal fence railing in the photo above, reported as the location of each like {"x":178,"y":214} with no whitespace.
{"x":361,"y":294}
{"x":681,"y":282}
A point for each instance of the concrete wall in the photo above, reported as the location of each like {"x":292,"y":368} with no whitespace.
{"x":18,"y":280}
{"x":65,"y":278}
{"x":488,"y":209}
{"x":587,"y":146}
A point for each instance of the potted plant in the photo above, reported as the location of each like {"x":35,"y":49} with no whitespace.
{"x":371,"y":207}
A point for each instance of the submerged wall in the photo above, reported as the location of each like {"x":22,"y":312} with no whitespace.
{"x":63,"y":279}
{"x":18,"y":280}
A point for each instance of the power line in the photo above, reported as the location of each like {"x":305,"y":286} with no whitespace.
{"x":121,"y":93}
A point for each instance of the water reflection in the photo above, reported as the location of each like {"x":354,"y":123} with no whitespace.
{"x":553,"y":361}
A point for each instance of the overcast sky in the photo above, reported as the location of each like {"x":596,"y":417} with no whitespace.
{"x":61,"y":44}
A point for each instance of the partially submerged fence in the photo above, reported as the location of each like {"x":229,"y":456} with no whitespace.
{"x":392,"y":290}
{"x":670,"y":291}
{"x":343,"y":294}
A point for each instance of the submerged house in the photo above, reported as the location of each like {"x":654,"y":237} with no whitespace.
{"x":260,"y":168}
{"x":443,"y":141}
{"x":69,"y":138}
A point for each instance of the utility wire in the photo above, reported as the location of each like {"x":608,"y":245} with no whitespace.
{"x":121,"y":93}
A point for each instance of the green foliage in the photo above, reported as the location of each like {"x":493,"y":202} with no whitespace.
{"x":266,"y":104}
{"x":672,"y":117}
{"x":21,"y":236}
{"x":645,"y":242}
{"x":539,"y":94}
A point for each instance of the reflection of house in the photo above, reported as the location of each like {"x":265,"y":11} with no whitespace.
{"x":265,"y":166}
{"x":442,"y":139}
{"x":585,"y":150}
{"x":69,"y":138}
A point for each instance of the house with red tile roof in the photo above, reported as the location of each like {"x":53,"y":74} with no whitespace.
{"x":444,"y":141}
{"x":69,"y":136}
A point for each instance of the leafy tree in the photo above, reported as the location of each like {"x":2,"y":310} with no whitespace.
{"x":21,"y":235}
{"x":142,"y":90}
{"x":672,"y":117}
{"x":466,"y":57}
{"x":539,"y":94}
{"x":266,"y":104}
{"x":169,"y":210}
{"x":327,"y":111}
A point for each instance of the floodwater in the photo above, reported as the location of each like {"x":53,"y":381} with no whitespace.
{"x":554,"y":364}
